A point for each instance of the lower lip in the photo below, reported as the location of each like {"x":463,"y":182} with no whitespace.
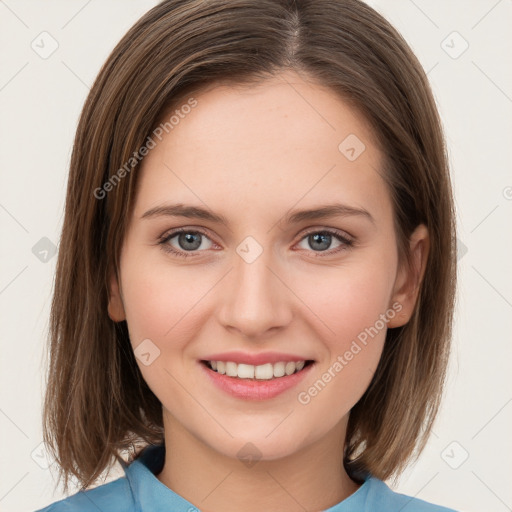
{"x":248,"y":389}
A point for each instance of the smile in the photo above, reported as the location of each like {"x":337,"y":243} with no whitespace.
{"x":267,"y":371}
{"x":255,"y":381}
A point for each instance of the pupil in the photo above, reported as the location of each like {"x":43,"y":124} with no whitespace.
{"x":190,"y":238}
{"x":318,"y":238}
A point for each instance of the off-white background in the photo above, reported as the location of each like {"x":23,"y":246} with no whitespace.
{"x":467,"y":464}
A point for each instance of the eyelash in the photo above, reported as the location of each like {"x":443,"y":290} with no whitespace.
{"x":347,"y":242}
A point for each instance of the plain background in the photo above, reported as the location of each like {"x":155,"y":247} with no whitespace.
{"x":467,"y":463}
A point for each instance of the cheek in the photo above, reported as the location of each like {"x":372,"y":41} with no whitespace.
{"x":156,"y":299}
{"x":349,"y":302}
{"x":355,"y":312}
{"x":160,"y":306}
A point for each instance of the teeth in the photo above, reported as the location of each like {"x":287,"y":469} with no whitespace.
{"x":245,"y":371}
{"x":231,"y":369}
{"x":289,"y":368}
{"x":279,"y":369}
{"x":261,"y":372}
{"x":264,"y":371}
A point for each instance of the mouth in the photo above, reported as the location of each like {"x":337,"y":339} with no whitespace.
{"x":264,"y":381}
{"x":262,"y":372}
{"x":255,"y":376}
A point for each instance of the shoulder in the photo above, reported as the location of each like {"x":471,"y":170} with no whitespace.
{"x":381,"y":497}
{"x":115,"y":496}
{"x":125,"y":493}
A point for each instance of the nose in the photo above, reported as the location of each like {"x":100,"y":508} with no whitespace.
{"x":255,"y":298}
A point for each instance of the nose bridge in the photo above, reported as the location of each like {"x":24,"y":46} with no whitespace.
{"x":255,"y":298}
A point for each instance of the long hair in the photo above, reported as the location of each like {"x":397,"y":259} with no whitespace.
{"x":97,"y":405}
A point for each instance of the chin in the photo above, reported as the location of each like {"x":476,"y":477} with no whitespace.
{"x":260,"y":443}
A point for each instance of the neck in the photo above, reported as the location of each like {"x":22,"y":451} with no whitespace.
{"x":311,"y":479}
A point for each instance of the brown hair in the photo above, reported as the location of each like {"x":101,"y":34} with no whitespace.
{"x":97,"y":404}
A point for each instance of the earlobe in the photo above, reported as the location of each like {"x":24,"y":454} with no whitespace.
{"x":115,"y":303}
{"x":408,"y":281}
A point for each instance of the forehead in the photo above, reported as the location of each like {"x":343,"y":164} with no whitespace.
{"x":281,"y":141}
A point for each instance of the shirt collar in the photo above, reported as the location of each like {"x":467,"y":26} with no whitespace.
{"x":150,"y":494}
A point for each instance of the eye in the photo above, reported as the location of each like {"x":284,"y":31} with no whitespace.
{"x":320,"y":241}
{"x":188,"y":241}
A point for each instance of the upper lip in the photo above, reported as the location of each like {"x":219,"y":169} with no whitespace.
{"x":255,"y":359}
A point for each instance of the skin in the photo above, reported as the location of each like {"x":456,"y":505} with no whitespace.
{"x":252,"y":155}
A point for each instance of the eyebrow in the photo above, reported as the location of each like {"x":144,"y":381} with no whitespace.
{"x":294,"y":217}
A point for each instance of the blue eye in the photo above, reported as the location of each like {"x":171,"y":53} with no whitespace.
{"x":322,"y":240}
{"x":190,"y":241}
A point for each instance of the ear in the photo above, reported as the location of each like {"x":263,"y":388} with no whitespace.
{"x":408,"y":280}
{"x":115,"y":301}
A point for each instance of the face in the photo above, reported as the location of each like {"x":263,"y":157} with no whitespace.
{"x":252,"y":285}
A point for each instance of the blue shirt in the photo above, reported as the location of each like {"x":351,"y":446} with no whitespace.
{"x":141,"y":491}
